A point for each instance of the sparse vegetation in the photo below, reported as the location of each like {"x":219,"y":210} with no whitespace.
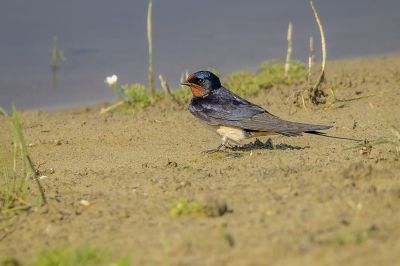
{"x":136,"y":95}
{"x":346,"y":237}
{"x":243,"y":83}
{"x":185,"y":207}
{"x":366,"y":147}
{"x":17,"y":171}
{"x":246,"y":83}
{"x":84,"y":256}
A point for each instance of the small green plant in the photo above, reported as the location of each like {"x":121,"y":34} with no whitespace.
{"x":346,"y":237}
{"x":282,"y":165}
{"x":185,"y":207}
{"x":136,"y":94}
{"x":85,"y":256}
{"x":130,"y":96}
{"x":16,"y":171}
{"x":182,"y":95}
{"x":246,"y":83}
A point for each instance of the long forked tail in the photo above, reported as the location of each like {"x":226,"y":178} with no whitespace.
{"x":299,"y":128}
{"x":333,"y":137}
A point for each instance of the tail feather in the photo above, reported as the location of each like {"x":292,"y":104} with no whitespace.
{"x":297,"y":129}
{"x":323,"y":134}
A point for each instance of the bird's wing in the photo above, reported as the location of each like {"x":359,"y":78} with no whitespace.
{"x":270,"y":123}
{"x":231,"y":110}
{"x":222,"y":106}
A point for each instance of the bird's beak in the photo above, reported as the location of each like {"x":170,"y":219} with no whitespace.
{"x":186,"y":84}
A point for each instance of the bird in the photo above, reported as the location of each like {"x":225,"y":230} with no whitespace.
{"x":233,"y":117}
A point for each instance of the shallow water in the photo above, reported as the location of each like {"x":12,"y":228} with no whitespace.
{"x":99,"y":38}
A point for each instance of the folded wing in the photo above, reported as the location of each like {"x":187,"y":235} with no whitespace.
{"x":228,"y":109}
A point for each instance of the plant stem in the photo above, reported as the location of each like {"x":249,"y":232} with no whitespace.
{"x":311,"y":58}
{"x":36,"y":178}
{"x":165,"y":87}
{"x":150,"y":44}
{"x":289,"y":50}
{"x":323,"y":48}
{"x":111,"y":107}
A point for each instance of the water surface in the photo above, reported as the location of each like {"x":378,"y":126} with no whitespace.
{"x":101,"y":37}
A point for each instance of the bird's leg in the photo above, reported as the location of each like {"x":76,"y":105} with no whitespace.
{"x":231,"y":144}
{"x":220,"y":147}
{"x":217,"y":149}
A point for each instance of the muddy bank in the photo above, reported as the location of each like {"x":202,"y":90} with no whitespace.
{"x":317,"y":202}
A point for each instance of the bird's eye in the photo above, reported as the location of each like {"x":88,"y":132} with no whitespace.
{"x":201,"y":81}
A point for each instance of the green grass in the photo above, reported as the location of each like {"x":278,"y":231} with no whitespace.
{"x":282,"y":165}
{"x":85,"y":256}
{"x":244,"y":83}
{"x":136,"y":95}
{"x":346,"y":237}
{"x":16,"y":169}
{"x":185,"y":207}
{"x":14,"y":177}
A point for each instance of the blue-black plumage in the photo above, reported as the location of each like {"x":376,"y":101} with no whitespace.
{"x":235,"y":118}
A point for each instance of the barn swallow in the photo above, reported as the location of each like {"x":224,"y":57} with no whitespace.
{"x":235,"y":118}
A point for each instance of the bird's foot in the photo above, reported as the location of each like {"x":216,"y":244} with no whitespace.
{"x":221,"y":147}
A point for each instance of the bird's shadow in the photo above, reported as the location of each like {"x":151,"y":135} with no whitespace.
{"x":268,"y":145}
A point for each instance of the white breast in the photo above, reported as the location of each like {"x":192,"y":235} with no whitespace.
{"x":232,"y":133}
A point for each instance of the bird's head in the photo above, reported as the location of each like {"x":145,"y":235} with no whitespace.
{"x":202,"y":83}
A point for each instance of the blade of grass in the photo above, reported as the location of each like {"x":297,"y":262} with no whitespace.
{"x":323,"y":48}
{"x":311,"y":58}
{"x":289,"y":49}
{"x":21,"y":141}
{"x":150,"y":46}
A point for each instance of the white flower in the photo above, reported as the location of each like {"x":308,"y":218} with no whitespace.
{"x":111,"y":80}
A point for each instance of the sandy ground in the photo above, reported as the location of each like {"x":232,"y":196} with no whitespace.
{"x":316,"y":203}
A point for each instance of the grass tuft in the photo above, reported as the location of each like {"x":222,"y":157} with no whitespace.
{"x":15,"y":171}
{"x":136,"y":95}
{"x":185,"y":207}
{"x":246,"y":83}
{"x":85,"y":256}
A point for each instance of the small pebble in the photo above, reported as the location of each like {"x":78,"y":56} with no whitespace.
{"x":84,"y":203}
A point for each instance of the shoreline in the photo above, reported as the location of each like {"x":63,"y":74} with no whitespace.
{"x":320,"y":200}
{"x":58,"y":107}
